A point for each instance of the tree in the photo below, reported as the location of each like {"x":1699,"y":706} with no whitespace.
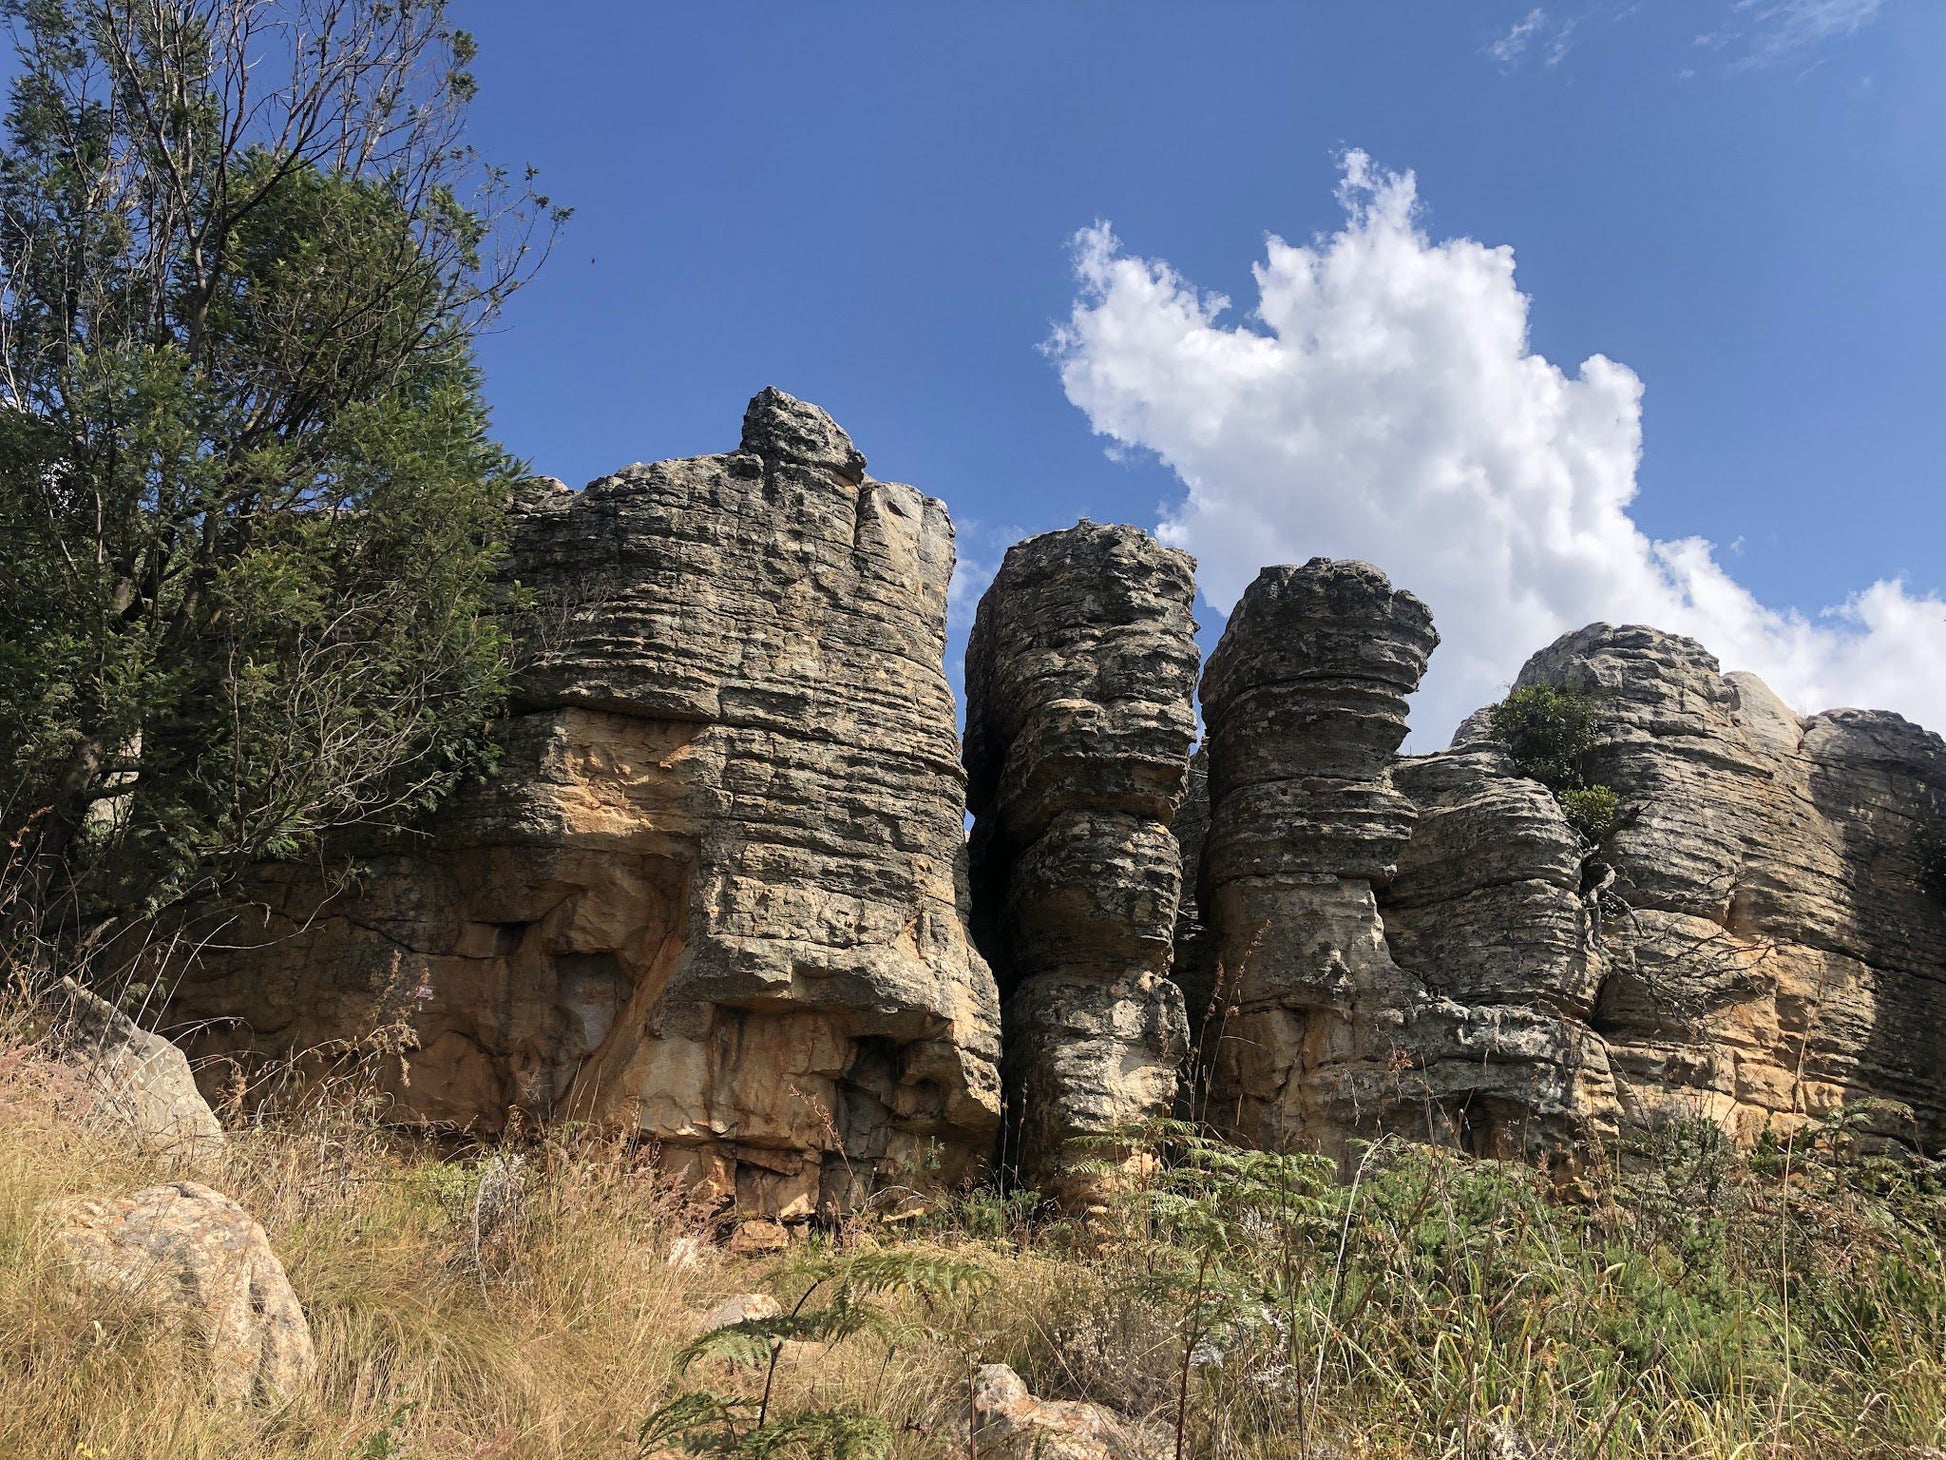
{"x":250,"y":515}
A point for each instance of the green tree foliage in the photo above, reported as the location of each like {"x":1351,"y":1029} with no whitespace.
{"x":1549,"y":730}
{"x":249,"y":510}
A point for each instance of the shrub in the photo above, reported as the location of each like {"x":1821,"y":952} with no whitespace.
{"x":1549,"y":729}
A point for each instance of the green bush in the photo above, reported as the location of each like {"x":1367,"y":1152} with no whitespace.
{"x":1549,"y":729}
{"x":1591,"y":810}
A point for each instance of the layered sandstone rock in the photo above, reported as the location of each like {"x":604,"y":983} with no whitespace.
{"x":1760,"y":941}
{"x":1079,"y":678}
{"x":1305,"y":701}
{"x":710,"y":890}
{"x":1774,"y":944}
{"x":1487,"y":913}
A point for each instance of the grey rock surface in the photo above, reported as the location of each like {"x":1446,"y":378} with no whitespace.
{"x":1305,"y":704}
{"x":1079,"y":679}
{"x":710,"y":891}
{"x":137,"y":1082}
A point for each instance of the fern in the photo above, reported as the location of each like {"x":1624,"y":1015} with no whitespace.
{"x":705,"y":1422}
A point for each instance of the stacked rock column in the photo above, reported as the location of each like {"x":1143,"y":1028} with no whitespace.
{"x":1079,"y":680}
{"x":1304,"y":701}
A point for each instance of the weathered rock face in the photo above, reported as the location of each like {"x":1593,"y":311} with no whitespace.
{"x":710,"y":891}
{"x":1304,"y":700}
{"x":1079,"y":678}
{"x":1774,"y":942}
{"x":1433,"y":950}
{"x":714,"y":889}
{"x":1486,"y":913}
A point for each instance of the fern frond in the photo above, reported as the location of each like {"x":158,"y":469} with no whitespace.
{"x":822,"y":1434}
{"x":679,"y":1421}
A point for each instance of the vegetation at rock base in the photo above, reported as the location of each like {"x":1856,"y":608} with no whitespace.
{"x":1786,"y":1302}
{"x":1549,"y":729}
{"x":249,"y":509}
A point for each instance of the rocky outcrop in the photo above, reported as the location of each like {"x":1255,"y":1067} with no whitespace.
{"x":1773,"y":943}
{"x":718,"y":888}
{"x":137,"y":1083}
{"x":1433,"y":949}
{"x":1305,"y":701}
{"x":710,"y":891}
{"x":1079,"y":678}
{"x":1487,"y":913}
{"x":196,"y":1260}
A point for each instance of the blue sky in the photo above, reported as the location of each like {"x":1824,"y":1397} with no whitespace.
{"x":873,"y":206}
{"x":1625,"y":309}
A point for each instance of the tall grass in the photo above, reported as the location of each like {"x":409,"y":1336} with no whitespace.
{"x":1696,"y":1301}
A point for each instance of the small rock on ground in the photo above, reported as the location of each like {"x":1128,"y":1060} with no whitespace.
{"x":1009,"y":1423}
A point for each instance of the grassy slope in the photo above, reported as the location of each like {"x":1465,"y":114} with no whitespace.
{"x":1714,"y":1306}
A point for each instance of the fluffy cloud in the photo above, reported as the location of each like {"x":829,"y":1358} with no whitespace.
{"x":1383,"y":403}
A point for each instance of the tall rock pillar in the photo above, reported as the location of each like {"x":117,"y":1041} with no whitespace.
{"x":1304,"y":701}
{"x":1079,"y":682}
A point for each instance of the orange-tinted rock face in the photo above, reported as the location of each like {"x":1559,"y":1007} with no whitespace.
{"x":710,"y":890}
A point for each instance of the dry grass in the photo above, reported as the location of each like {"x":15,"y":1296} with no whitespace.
{"x":1470,"y":1316}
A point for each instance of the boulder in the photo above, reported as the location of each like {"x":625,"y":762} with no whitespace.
{"x":137,"y":1083}
{"x":710,"y":892}
{"x":1009,"y":1423}
{"x":194,"y":1258}
{"x":1080,"y":673}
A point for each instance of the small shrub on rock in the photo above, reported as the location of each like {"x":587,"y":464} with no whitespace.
{"x":1549,"y":730}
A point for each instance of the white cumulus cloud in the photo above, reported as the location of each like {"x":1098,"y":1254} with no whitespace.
{"x":1382,"y":403}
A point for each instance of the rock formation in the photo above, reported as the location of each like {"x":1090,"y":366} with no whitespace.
{"x":1486,"y":912}
{"x":1305,"y":699}
{"x":1763,"y":935}
{"x":713,"y":891}
{"x":1433,"y":949}
{"x":710,"y":891}
{"x":196,"y":1260}
{"x":1079,"y":677}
